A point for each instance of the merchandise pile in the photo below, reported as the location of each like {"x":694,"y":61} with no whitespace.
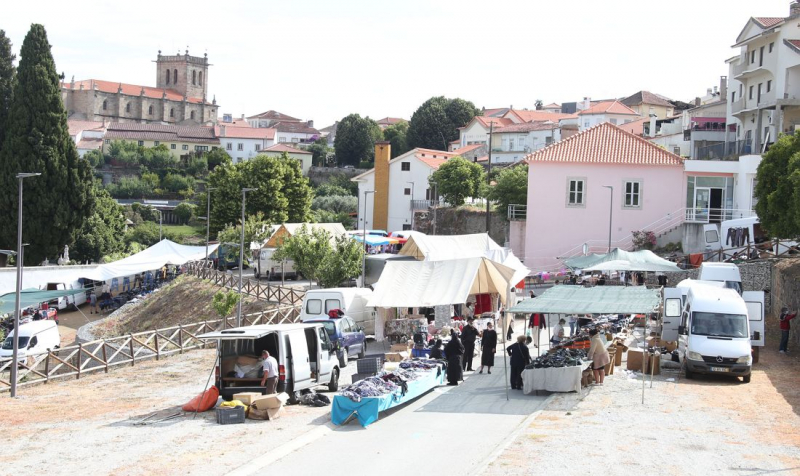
{"x":369,"y":387}
{"x":559,"y":358}
{"x":394,"y":382}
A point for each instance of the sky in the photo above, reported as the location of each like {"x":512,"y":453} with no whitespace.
{"x":325,"y":59}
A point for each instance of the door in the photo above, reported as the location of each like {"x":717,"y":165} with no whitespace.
{"x":323,"y":355}
{"x":347,"y":334}
{"x":755,"y":314}
{"x":672,"y":314}
{"x":711,"y":237}
{"x":702,"y":199}
{"x":715,"y":205}
{"x":299,"y":360}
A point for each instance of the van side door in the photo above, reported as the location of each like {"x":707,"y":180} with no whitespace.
{"x":298,"y":355}
{"x":712,"y":238}
{"x":671,"y":319}
{"x":755,"y":314}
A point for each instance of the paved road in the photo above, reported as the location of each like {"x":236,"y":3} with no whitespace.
{"x":457,"y":426}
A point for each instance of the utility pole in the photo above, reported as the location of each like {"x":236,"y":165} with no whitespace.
{"x":412,"y":204}
{"x":208,"y":219}
{"x":489,"y":178}
{"x":364,"y":237}
{"x":241,"y":257}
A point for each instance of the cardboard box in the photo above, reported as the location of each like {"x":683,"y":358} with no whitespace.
{"x":399,"y":348}
{"x":273,"y":400}
{"x":247,"y":397}
{"x":635,"y":357}
{"x":656,"y":342}
{"x":266,"y":413}
{"x":396,"y":356}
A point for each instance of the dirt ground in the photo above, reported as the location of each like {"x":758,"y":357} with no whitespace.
{"x":702,"y":426}
{"x":87,"y":427}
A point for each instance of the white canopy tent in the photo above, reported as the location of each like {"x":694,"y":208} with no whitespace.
{"x":162,"y":253}
{"x":437,"y":283}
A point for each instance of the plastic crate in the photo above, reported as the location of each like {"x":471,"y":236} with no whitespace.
{"x":369,"y":365}
{"x":230,"y":416}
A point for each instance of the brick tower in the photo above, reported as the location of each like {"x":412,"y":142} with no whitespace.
{"x":186,"y":74}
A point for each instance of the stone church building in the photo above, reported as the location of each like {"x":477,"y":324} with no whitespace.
{"x":180,"y":96}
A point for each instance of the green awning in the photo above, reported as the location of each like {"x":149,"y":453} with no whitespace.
{"x":566,"y":299}
{"x":32,"y":297}
{"x":621,"y":260}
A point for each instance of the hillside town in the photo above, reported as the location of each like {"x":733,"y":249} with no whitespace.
{"x":590,"y":276}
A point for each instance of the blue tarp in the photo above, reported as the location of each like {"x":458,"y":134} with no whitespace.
{"x":368,"y":408}
{"x":373,"y":240}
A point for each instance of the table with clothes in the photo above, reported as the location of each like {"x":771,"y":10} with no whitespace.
{"x":558,"y":371}
{"x":366,"y":398}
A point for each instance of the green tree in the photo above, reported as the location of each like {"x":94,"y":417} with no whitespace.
{"x":156,"y":158}
{"x":319,"y":151}
{"x":7,"y":74}
{"x":197,"y":166}
{"x":95,"y":158}
{"x":341,"y":180}
{"x":176,"y":183}
{"x":124,"y":152}
{"x":397,"y":135}
{"x":102,"y":233}
{"x":256,"y":230}
{"x":282,"y":193}
{"x":184,"y":211}
{"x":511,"y":186}
{"x":217,"y":157}
{"x":327,"y":216}
{"x":355,"y":140}
{"x":329,"y":190}
{"x":435,"y":123}
{"x":147,"y":234}
{"x":778,"y":188}
{"x":457,"y":179}
{"x":342,"y":263}
{"x":336,"y":203}
{"x":224,"y":302}
{"x":320,"y":258}
{"x":37,"y":140}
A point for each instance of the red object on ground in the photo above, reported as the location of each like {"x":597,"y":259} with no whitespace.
{"x":203,"y":402}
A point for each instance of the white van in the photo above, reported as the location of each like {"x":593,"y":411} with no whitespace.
{"x":733,"y":236}
{"x":305,"y":355}
{"x":271,"y":269}
{"x":713,"y":330}
{"x":34,"y":338}
{"x":352,"y":301}
{"x":66,"y":302}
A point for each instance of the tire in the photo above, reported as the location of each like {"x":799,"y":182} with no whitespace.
{"x":344,"y":359}
{"x":333,"y":385}
{"x":746,"y":379}
{"x":689,"y":374}
{"x":294,"y":398}
{"x":256,"y":274}
{"x":363,"y":352}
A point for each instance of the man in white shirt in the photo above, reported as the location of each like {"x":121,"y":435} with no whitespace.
{"x":270,"y":378}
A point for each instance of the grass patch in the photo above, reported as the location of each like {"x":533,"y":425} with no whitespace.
{"x":186,"y":230}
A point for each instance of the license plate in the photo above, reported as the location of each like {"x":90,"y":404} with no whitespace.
{"x":720,"y":369}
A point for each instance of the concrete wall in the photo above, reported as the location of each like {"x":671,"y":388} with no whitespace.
{"x":516,"y":238}
{"x":460,"y":221}
{"x":786,"y":292}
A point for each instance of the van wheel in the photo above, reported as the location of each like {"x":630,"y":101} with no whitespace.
{"x":363,"y":352}
{"x":333,"y":385}
{"x":344,"y":359}
{"x":72,"y":307}
{"x":294,"y":398}
{"x":689,"y":374}
{"x":746,"y":379}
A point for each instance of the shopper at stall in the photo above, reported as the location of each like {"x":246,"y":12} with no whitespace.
{"x":455,"y":351}
{"x":270,"y":378}
{"x":520,"y":357}
{"x":573,"y":321}
{"x":488,"y":347}
{"x":558,"y":332}
{"x":469,"y":334}
{"x":599,"y":357}
{"x":436,"y":351}
{"x":536,"y":323}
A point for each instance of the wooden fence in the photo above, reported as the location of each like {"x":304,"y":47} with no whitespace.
{"x":252,"y":287}
{"x":102,"y":354}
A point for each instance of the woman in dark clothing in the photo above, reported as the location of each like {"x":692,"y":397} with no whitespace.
{"x":520,"y":357}
{"x":436,"y":352}
{"x":454,"y":350}
{"x":488,"y":347}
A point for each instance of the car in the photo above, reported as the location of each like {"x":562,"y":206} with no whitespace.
{"x":347,"y":337}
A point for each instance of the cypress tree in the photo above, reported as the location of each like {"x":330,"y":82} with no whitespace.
{"x":37,"y":140}
{"x":6,"y":81}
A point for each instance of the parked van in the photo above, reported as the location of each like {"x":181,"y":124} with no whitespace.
{"x":271,"y":269}
{"x":34,"y":338}
{"x":726,"y":236}
{"x":67,"y":302}
{"x":352,"y":301}
{"x":306,"y":358}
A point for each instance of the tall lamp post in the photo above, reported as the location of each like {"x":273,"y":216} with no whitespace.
{"x":412,"y":204}
{"x":489,"y":178}
{"x":208,"y":219}
{"x":364,"y":237}
{"x":610,"y":214}
{"x":160,"y":219}
{"x":20,"y":257}
{"x":241,"y":258}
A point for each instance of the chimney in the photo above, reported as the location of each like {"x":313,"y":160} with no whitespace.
{"x":697,"y":102}
{"x":652,"y":125}
{"x":708,"y":91}
{"x":716,"y":90}
{"x":222,"y":131}
{"x":310,"y":123}
{"x":723,"y":87}
{"x":587,"y":103}
{"x":380,"y":208}
{"x":794,"y":9}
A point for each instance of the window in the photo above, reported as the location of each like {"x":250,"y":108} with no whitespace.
{"x":258,"y":147}
{"x":331,"y":304}
{"x":191,"y":115}
{"x":586,"y":123}
{"x":172,"y":113}
{"x":172,"y":146}
{"x":239,"y":146}
{"x":405,"y":166}
{"x":632,"y":191}
{"x":150,"y":110}
{"x":575,"y":192}
{"x":194,"y":78}
{"x":771,"y":45}
{"x":108,"y":141}
{"x":141,"y":143}
{"x":281,"y":139}
{"x":185,"y":147}
{"x":175,"y":76}
{"x":769,"y":85}
{"x":229,"y":146}
{"x":750,"y":96}
{"x":406,"y":226}
{"x":676,"y":150}
{"x":167,"y":76}
{"x":510,"y":144}
{"x":406,"y":191}
{"x":128,"y":107}
{"x":200,"y":78}
{"x":752,"y":56}
{"x":105,"y":105}
{"x":156,"y":143}
{"x":613,"y":121}
{"x":295,"y":139}
{"x":201,"y":148}
{"x":314,"y":306}
{"x":733,"y":96}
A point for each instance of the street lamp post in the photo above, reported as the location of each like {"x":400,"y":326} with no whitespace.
{"x":241,"y":258}
{"x":20,"y":257}
{"x":489,"y":179}
{"x":364,"y":237}
{"x":208,"y":219}
{"x":160,"y":219}
{"x":610,"y":214}
{"x":412,"y":204}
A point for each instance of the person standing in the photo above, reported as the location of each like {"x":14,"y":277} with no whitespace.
{"x":270,"y":378}
{"x":468,"y":336}
{"x":573,"y":321}
{"x":536,"y":324}
{"x":488,"y":347}
{"x":93,"y":303}
{"x":520,"y":357}
{"x":598,"y":354}
{"x":454,"y":350}
{"x":558,"y":332}
{"x":436,"y":351}
{"x":785,"y":326}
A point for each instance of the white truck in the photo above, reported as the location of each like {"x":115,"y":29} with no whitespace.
{"x":352,"y":301}
{"x":67,"y":302}
{"x":734,"y":236}
{"x":271,"y":269}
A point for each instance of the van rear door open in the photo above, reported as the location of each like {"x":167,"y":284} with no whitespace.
{"x":673,"y":305}
{"x":298,"y":353}
{"x":755,"y":314}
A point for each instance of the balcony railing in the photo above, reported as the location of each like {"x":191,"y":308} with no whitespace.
{"x":724,"y":150}
{"x":425,"y":204}
{"x":517,"y":212}
{"x":716,"y":215}
{"x":738,"y":105}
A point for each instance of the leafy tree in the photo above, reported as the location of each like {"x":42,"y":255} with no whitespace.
{"x":7,"y":74}
{"x":320,"y":151}
{"x":511,"y":186}
{"x":102,"y":233}
{"x":328,"y":190}
{"x":327,"y":216}
{"x":336,"y":204}
{"x":342,"y":263}
{"x":435,"y":123}
{"x":184,"y":211}
{"x":282,"y":193}
{"x":355,"y":139}
{"x":155,"y":158}
{"x":124,"y":152}
{"x":343,"y":181}
{"x":147,"y":234}
{"x":37,"y":140}
{"x":217,"y":157}
{"x":778,"y":188}
{"x":148,"y":213}
{"x":457,"y":179}
{"x":175,"y":183}
{"x":131,"y":187}
{"x":224,"y":302}
{"x":321,"y":259}
{"x":94,"y":157}
{"x":197,"y":166}
{"x":397,"y":135}
{"x":256,"y":230}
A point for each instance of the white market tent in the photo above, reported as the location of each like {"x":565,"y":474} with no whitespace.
{"x":162,"y":253}
{"x":286,"y":230}
{"x":621,"y":260}
{"x":437,"y":283}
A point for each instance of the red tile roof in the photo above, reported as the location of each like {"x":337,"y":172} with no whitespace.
{"x":76,"y":126}
{"x":645,"y":97}
{"x":605,"y":144}
{"x":530,"y":116}
{"x":276,"y":116}
{"x":528,"y":127}
{"x":433,"y":158}
{"x":552,"y":105}
{"x":286,"y":148}
{"x":609,"y":107}
{"x":294,"y":127}
{"x":129,"y":89}
{"x":635,"y":127}
{"x":498,"y":121}
{"x":468,"y":148}
{"x":227,"y":130}
{"x":90,"y":144}
{"x":495,"y":112}
{"x":793,"y":44}
{"x":161,"y":132}
{"x":768,"y":22}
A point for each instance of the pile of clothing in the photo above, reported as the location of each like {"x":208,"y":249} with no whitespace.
{"x":369,"y":387}
{"x":314,"y":399}
{"x":417,"y":364}
{"x":559,"y":358}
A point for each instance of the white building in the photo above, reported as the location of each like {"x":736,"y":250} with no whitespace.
{"x":512,"y":143}
{"x":87,"y":135}
{"x":303,"y":156}
{"x":243,"y":143}
{"x":605,"y":111}
{"x":477,"y":130}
